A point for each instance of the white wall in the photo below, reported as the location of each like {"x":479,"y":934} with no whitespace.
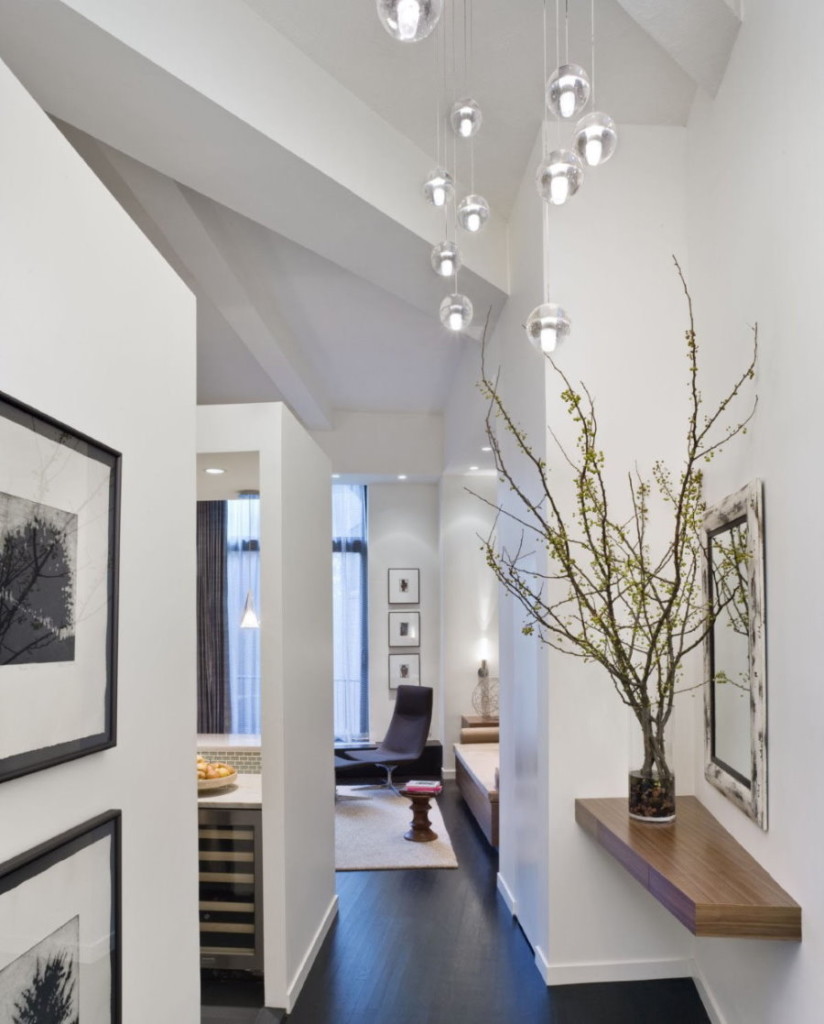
{"x":612,"y":253}
{"x":403,"y":534}
{"x":296,"y":684}
{"x":96,"y":331}
{"x":469,"y":598}
{"x":755,"y":211}
{"x":612,"y":270}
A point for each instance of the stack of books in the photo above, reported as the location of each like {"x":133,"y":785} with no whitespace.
{"x":423,"y":786}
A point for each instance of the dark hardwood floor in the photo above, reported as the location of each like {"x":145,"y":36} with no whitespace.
{"x":439,"y":947}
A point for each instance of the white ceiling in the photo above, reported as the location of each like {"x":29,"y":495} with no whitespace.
{"x":260,"y":145}
{"x":367,"y":350}
{"x":637,"y":82}
{"x":241,"y":472}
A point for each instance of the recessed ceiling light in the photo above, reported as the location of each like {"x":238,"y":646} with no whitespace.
{"x":214,"y":471}
{"x":472,"y":468}
{"x":486,"y":449}
{"x":401,"y":476}
{"x":336,"y":476}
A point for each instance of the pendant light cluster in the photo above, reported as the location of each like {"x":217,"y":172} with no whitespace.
{"x":568,"y":92}
{"x":561,"y":172}
{"x":409,"y":21}
{"x":471,"y":212}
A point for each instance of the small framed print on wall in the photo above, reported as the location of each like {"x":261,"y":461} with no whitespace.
{"x":404,"y":586}
{"x":60,"y":928}
{"x":59,"y":521}
{"x":404,"y":669}
{"x":404,"y":629}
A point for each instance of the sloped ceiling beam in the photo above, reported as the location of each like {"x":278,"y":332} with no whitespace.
{"x":698,"y":34}
{"x":212,"y":96}
{"x":164,"y":213}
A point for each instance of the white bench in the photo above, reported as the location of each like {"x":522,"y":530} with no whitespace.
{"x":476,"y":772}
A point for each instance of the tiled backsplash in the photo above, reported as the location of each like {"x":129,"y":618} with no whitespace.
{"x":247,"y":762}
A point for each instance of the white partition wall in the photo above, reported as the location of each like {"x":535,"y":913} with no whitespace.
{"x":296,"y":683}
{"x":98,"y":332}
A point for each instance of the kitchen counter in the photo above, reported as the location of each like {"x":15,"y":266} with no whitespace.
{"x":227,"y":741}
{"x":244,"y":794}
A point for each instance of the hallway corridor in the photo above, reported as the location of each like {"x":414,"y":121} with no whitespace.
{"x":439,"y":947}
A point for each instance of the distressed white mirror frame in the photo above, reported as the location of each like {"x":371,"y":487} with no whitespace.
{"x":750,"y":796}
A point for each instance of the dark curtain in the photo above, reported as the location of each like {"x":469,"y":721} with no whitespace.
{"x":212,"y":634}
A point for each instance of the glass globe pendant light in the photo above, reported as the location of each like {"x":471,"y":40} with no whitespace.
{"x":559,"y":176}
{"x":249,"y":619}
{"x":466,"y":118}
{"x":595,"y":138}
{"x":438,"y":187}
{"x":473,"y":213}
{"x":546,"y":326}
{"x":409,"y":20}
{"x":446,"y":260}
{"x":456,"y":312}
{"x":567,"y":91}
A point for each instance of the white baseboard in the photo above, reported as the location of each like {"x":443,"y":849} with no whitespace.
{"x":293,"y":991}
{"x":542,"y":964}
{"x":506,"y":893}
{"x":447,"y":773}
{"x":710,"y":1005}
{"x":624,"y":970}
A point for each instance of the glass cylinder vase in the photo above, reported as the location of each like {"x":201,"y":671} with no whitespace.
{"x":652,"y":777}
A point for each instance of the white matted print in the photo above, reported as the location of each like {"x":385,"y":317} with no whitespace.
{"x":404,"y":629}
{"x":59,"y":502}
{"x":404,"y":586}
{"x":404,"y":670}
{"x":59,"y":929}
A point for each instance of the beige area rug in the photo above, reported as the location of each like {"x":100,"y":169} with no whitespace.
{"x":369,"y":828}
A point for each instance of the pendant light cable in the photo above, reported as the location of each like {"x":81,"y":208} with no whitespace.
{"x":566,"y":31}
{"x":466,"y":47}
{"x":545,"y":118}
{"x":592,"y":53}
{"x":437,"y":104}
{"x":558,"y":54}
{"x":544,"y":149}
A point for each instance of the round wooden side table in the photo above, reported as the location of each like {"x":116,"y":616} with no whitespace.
{"x":420,"y":829}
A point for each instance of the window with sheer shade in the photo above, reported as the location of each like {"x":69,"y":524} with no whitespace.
{"x":350,"y":630}
{"x":243,"y":579}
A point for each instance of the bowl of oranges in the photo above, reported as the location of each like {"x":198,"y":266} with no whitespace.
{"x":214,"y":774}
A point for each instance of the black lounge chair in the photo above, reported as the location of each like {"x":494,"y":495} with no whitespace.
{"x":406,"y":736}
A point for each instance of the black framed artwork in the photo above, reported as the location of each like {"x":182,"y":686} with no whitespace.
{"x":59,"y":527}
{"x":60,"y":928}
{"x":404,"y":586}
{"x":404,"y":669}
{"x":404,"y":629}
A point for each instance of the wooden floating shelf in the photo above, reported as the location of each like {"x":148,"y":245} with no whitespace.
{"x":695,"y":868}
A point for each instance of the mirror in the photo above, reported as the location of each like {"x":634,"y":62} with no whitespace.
{"x":735,"y":694}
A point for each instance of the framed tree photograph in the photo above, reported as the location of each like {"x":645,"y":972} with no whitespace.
{"x":404,"y":629}
{"x":404,"y":669}
{"x":59,"y":524}
{"x":60,"y":929}
{"x":404,"y":586}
